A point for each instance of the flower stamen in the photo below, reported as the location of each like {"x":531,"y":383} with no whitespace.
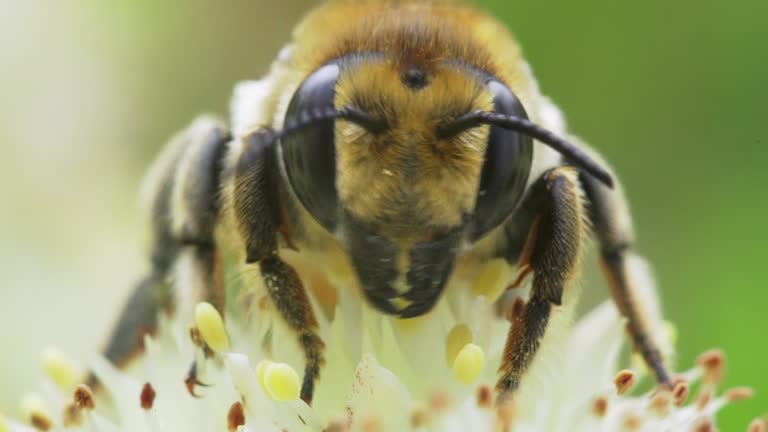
{"x":624,"y":381}
{"x":211,"y":326}
{"x":469,"y":363}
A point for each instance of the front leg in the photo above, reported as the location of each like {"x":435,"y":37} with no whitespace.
{"x":257,"y":210}
{"x":555,"y":243}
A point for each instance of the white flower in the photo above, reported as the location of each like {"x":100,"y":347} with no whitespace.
{"x":433,"y":373}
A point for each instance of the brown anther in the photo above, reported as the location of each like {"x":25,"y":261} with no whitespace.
{"x":337,"y":425}
{"x":72,"y":416}
{"x":758,"y":425}
{"x":484,"y":396}
{"x":147,"y":396}
{"x":705,"y":396}
{"x":680,"y":393}
{"x":439,"y":401}
{"x":737,"y":394}
{"x":632,"y":422}
{"x":420,"y":417}
{"x":370,"y":424}
{"x":235,"y":417}
{"x":659,"y":404}
{"x":40,"y":421}
{"x":600,"y":407}
{"x":84,"y":397}
{"x":713,"y":364}
{"x":703,"y":425}
{"x":624,"y":381}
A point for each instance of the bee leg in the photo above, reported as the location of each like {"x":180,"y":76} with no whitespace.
{"x":555,"y":247}
{"x":182,"y":190}
{"x":612,"y":225}
{"x":257,"y":210}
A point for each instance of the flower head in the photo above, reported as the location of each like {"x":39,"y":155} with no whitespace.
{"x":433,"y":373}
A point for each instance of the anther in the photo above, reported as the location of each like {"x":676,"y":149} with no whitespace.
{"x":337,"y":425}
{"x":484,"y":396}
{"x":211,"y":326}
{"x":632,"y":422}
{"x":459,"y":336}
{"x":34,"y":410}
{"x":600,"y":407}
{"x":84,"y":397}
{"x":439,"y":401}
{"x":147,"y":397}
{"x":739,"y":394}
{"x":659,"y":404}
{"x":59,"y":369}
{"x":420,"y":417}
{"x":758,"y":425}
{"x":680,"y":393}
{"x":469,"y":363}
{"x":279,"y":380}
{"x":370,"y":424}
{"x":624,"y":381}
{"x":703,"y":425}
{"x":712,"y":362}
{"x":235,"y":417}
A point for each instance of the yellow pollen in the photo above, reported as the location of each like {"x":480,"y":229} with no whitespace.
{"x":211,"y":326}
{"x":493,"y":279}
{"x":469,"y":363}
{"x":459,"y":336}
{"x":279,"y":380}
{"x":59,"y":369}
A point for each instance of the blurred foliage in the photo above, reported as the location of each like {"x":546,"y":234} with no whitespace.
{"x":671,"y":92}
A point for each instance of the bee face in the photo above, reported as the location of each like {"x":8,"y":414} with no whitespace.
{"x":406,"y":182}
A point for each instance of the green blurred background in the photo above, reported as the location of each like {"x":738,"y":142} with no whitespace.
{"x":673,"y":93}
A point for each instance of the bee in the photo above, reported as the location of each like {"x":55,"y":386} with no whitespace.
{"x":395,"y":145}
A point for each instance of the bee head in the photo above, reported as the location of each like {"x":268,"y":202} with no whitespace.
{"x":401,"y":168}
{"x":404,"y":161}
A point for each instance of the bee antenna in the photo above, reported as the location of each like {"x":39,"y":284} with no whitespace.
{"x":309,"y":117}
{"x":571,"y":152}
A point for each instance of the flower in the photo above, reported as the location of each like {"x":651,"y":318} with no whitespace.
{"x":433,"y":373}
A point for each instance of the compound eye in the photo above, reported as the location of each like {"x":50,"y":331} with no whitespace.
{"x":508,"y":159}
{"x":309,"y":155}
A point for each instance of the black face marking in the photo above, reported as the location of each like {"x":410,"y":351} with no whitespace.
{"x":415,"y":79}
{"x":375,"y":261}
